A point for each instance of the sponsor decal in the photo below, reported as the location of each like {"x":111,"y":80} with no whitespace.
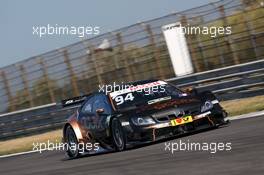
{"x":159,"y":100}
{"x":173,"y":102}
{"x":182,"y":95}
{"x":180,"y":121}
{"x":214,"y":101}
{"x":202,"y":115}
{"x":125,"y":123}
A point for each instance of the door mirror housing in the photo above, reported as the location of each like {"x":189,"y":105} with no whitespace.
{"x":100,"y":110}
{"x":190,"y":90}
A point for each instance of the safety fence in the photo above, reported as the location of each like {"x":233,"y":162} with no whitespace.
{"x":135,"y":52}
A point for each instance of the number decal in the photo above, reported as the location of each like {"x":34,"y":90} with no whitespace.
{"x":129,"y":96}
{"x":120,"y":99}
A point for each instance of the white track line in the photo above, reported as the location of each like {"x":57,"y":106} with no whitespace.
{"x":244,"y":116}
{"x":17,"y":154}
{"x":249,"y":115}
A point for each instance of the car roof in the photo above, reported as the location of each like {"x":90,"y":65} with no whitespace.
{"x":139,"y":82}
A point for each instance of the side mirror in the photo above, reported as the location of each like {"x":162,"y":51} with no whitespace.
{"x":100,"y":110}
{"x":190,"y":90}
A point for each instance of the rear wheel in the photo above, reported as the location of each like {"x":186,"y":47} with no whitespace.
{"x":72,"y":143}
{"x":118,"y":135}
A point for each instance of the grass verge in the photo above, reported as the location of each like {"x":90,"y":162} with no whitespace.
{"x":26,"y":143}
{"x":243,"y":106}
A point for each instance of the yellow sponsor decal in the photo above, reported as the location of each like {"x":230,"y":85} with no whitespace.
{"x":180,"y":121}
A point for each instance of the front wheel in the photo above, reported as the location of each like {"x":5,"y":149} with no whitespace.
{"x":118,"y":135}
{"x":72,"y":143}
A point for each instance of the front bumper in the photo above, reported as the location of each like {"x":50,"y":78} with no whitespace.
{"x":169,"y":129}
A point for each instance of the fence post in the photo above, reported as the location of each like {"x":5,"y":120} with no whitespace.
{"x":8,"y":91}
{"x":195,"y":62}
{"x":71,"y":72}
{"x":91,"y":55}
{"x":97,"y":71}
{"x":228,"y":40}
{"x":26,"y":87}
{"x":199,"y":48}
{"x":46,"y":78}
{"x":122,"y":55}
{"x":155,"y":49}
{"x":250,"y":30}
{"x":87,"y":57}
{"x":219,"y":51}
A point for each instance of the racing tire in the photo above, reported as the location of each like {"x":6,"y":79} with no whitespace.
{"x":118,"y":135}
{"x":71,"y":140}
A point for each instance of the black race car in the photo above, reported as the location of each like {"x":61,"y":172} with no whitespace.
{"x":146,"y":111}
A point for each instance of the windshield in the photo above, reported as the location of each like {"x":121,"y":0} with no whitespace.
{"x":149,"y":93}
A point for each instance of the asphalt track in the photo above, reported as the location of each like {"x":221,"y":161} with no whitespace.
{"x":246,"y":156}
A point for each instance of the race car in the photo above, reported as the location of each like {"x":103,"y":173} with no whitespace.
{"x":143,"y":112}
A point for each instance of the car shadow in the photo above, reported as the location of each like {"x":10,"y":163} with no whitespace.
{"x":139,"y":146}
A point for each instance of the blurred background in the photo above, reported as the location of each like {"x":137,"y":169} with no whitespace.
{"x":135,"y":52}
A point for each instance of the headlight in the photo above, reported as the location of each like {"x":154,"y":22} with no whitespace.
{"x":142,"y":121}
{"x":206,"y":106}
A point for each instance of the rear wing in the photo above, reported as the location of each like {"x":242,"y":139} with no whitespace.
{"x":74,"y":101}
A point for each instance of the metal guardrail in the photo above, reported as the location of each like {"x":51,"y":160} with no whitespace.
{"x":138,"y":51}
{"x":232,"y":82}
